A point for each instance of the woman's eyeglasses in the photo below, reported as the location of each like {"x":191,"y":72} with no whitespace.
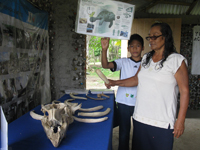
{"x":152,"y":37}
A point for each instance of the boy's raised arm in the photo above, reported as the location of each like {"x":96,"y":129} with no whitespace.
{"x":104,"y":60}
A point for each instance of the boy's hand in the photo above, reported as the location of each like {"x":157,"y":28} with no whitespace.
{"x":105,"y":43}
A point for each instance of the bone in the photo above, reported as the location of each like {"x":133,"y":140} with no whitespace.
{"x":76,"y":97}
{"x":36,"y":116}
{"x":91,"y":109}
{"x":95,"y":114}
{"x":95,"y":98}
{"x":90,"y":120}
{"x":99,"y":95}
{"x":102,"y":76}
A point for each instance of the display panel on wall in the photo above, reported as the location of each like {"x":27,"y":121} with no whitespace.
{"x":24,"y":57}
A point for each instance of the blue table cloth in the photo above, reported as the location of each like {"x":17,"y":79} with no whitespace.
{"x":25,"y":133}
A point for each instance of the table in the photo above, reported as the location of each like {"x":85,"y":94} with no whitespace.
{"x":25,"y":133}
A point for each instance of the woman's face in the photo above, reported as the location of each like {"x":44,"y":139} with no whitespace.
{"x":157,"y":42}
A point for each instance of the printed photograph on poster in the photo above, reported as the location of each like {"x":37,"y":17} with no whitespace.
{"x":28,"y":40}
{"x":20,"y":83}
{"x":4,"y":58}
{"x":4,"y":68}
{"x":20,"y":38}
{"x":44,"y":43}
{"x":9,"y":90}
{"x":104,"y":18}
{"x":9,"y":39}
{"x":32,"y":60}
{"x":13,"y":64}
{"x":24,"y":62}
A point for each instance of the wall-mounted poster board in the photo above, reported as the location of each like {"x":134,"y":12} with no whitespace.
{"x":104,"y":18}
{"x":24,"y":57}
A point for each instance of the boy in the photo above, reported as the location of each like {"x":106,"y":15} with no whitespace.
{"x":126,"y":96}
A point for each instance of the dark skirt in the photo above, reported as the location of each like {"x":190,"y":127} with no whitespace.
{"x":146,"y":137}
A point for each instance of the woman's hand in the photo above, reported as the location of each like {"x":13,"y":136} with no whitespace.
{"x":178,"y":128}
{"x":105,"y":43}
{"x":111,"y":83}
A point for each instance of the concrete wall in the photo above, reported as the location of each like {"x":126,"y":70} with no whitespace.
{"x":67,"y":49}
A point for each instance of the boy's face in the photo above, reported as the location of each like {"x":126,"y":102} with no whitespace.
{"x":135,"y":48}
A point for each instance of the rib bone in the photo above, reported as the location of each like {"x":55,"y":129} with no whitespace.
{"x":91,"y":109}
{"x":90,"y":120}
{"x":76,"y":97}
{"x":95,"y":114}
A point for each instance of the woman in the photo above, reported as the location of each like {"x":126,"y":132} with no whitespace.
{"x":162,"y":73}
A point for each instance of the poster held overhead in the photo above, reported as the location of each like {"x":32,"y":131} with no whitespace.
{"x":104,"y":18}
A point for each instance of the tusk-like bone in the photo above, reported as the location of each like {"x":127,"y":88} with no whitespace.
{"x":90,"y":120}
{"x":102,"y":76}
{"x":91,"y":109}
{"x":36,"y":116}
{"x":95,"y":114}
{"x":76,"y":97}
{"x":95,"y":98}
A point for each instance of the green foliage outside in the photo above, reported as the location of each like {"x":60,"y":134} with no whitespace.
{"x":94,"y":56}
{"x":114,"y":50}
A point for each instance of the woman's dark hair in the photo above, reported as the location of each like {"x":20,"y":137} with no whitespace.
{"x":169,"y":45}
{"x":136,"y":37}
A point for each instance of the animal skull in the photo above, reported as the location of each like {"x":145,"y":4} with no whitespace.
{"x":60,"y":115}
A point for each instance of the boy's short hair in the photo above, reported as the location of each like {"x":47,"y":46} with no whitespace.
{"x":136,"y":37}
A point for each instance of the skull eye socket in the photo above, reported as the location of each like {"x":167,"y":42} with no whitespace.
{"x":55,"y":129}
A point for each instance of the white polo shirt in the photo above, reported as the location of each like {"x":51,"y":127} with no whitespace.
{"x":128,"y":68}
{"x":157,"y":93}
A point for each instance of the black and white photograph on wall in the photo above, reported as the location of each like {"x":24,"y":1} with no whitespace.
{"x":9,"y":39}
{"x":4,"y":68}
{"x":28,"y":40}
{"x":38,"y":43}
{"x":20,"y":38}
{"x":7,"y":91}
{"x":20,"y":83}
{"x":32,"y":81}
{"x":24,"y":62}
{"x":32,"y":60}
{"x":44,"y":43}
{"x":13,"y":64}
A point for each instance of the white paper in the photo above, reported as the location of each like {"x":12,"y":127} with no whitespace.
{"x":4,"y":131}
{"x":104,"y":18}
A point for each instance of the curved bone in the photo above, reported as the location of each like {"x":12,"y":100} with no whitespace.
{"x":102,"y":76}
{"x":96,"y":98}
{"x":76,"y":97}
{"x":36,"y":116}
{"x":90,"y":120}
{"x":95,"y":114}
{"x":99,"y":95}
{"x":91,"y":109}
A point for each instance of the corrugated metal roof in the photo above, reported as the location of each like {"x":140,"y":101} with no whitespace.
{"x":168,"y":9}
{"x":196,"y":9}
{"x":162,"y":8}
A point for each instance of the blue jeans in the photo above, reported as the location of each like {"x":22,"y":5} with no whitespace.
{"x":125,"y":112}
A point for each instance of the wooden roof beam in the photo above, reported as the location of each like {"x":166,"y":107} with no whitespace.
{"x":191,"y":7}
